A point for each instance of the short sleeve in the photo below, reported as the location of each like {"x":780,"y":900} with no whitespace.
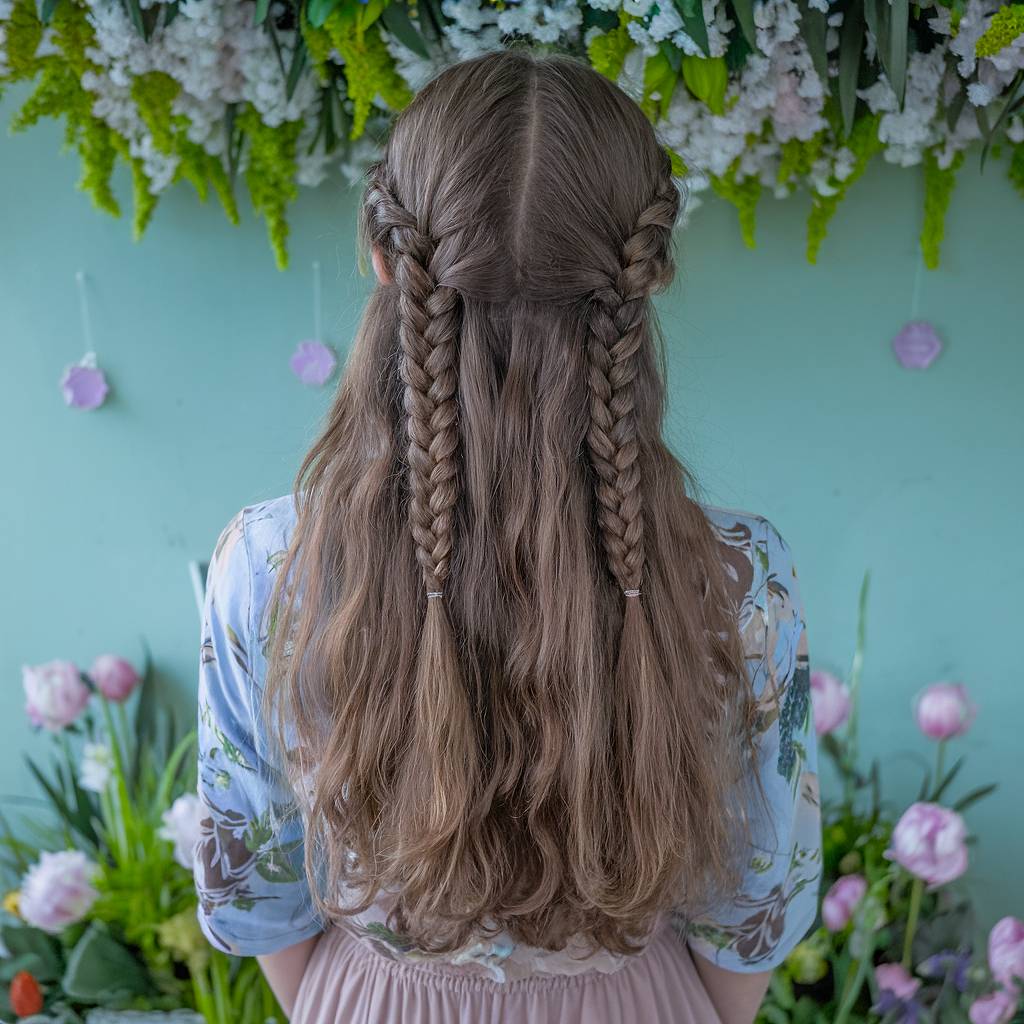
{"x":253,"y":894}
{"x":778,"y":900}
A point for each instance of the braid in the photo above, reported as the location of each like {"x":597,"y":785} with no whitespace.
{"x":617,"y":331}
{"x":429,"y":322}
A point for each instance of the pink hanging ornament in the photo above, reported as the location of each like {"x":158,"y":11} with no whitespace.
{"x":917,"y":346}
{"x":313,"y":362}
{"x":83,"y":385}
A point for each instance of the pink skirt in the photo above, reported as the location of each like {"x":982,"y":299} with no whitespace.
{"x":348,"y":982}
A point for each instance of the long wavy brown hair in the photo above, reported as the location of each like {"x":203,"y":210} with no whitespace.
{"x":508,"y":674}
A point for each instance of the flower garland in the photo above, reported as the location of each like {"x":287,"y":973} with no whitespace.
{"x":748,"y":95}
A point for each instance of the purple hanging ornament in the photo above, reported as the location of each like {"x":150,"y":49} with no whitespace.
{"x":83,"y":385}
{"x":313,"y":363}
{"x":917,"y":346}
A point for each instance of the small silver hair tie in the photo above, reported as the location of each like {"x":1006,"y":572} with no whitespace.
{"x":434,"y":593}
{"x":632,"y":593}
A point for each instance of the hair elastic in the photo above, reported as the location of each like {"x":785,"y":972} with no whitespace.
{"x":434,"y":593}
{"x":632,"y":593}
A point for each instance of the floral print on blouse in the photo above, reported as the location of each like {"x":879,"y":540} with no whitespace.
{"x":253,"y":893}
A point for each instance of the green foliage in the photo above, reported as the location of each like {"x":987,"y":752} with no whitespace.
{"x":342,"y":45}
{"x":140,"y":945}
{"x":707,"y":78}
{"x":271,"y":174}
{"x":938,"y":190}
{"x":744,"y":194}
{"x":369,"y":68}
{"x":798,"y":156}
{"x":1006,"y":25}
{"x":607,"y":51}
{"x":864,"y":144}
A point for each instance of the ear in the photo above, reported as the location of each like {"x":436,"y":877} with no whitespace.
{"x":378,"y":266}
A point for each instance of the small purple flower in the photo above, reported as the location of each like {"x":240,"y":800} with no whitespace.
{"x":908,"y":1011}
{"x":313,"y":362}
{"x":947,"y":963}
{"x":917,"y":346}
{"x":83,"y":385}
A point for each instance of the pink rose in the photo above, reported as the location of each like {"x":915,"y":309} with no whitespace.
{"x":995,"y":1008}
{"x":895,"y":979}
{"x":55,"y":694}
{"x":929,"y":841}
{"x":1006,"y":952}
{"x":831,"y":700}
{"x":114,"y":677}
{"x":838,"y":905}
{"x":944,"y":710}
{"x":57,"y":891}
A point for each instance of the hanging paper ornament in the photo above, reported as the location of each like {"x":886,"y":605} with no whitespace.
{"x":917,"y":346}
{"x":83,"y":385}
{"x":313,"y":362}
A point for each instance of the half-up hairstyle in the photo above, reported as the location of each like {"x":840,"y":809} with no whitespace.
{"x":505,"y":662}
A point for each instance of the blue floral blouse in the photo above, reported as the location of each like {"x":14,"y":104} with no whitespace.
{"x":253,"y":893}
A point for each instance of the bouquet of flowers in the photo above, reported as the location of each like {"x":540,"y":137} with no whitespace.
{"x":100,"y":910}
{"x":896,"y":937}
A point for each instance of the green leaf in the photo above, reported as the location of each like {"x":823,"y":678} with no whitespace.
{"x":707,"y":78}
{"x":1004,"y":114}
{"x":744,"y":10}
{"x":100,"y":969}
{"x":813,"y":27}
{"x":943,"y":784}
{"x":395,"y":18}
{"x":319,"y":10}
{"x":899,"y":21}
{"x":692,"y":13}
{"x":298,"y":64}
{"x":32,"y":942}
{"x":260,"y":14}
{"x":851,"y":45}
{"x":660,"y":81}
{"x":974,"y":796}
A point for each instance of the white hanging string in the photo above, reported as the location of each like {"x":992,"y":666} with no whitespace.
{"x":915,"y":293}
{"x":83,"y":309}
{"x":317,"y":324}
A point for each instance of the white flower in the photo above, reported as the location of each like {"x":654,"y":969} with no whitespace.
{"x":96,"y":767}
{"x":181,"y":825}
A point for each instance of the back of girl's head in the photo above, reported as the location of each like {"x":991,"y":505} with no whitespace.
{"x":514,"y":677}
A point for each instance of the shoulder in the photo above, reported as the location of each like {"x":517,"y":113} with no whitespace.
{"x":762,"y":578}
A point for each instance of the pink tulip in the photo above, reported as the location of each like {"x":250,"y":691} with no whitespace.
{"x":839,"y":903}
{"x":944,"y":710}
{"x":57,"y":891}
{"x":895,"y":979}
{"x":114,"y":677}
{"x":929,"y":841}
{"x":55,"y":694}
{"x":831,"y":700}
{"x":1006,"y":952}
{"x":996,"y":1008}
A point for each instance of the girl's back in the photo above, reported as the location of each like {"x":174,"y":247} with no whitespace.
{"x":546,"y":716}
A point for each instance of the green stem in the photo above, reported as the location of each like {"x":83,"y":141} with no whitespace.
{"x":851,"y":989}
{"x":940,"y":763}
{"x":121,"y":789}
{"x":916,"y":892}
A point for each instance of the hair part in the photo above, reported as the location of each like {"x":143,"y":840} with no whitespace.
{"x":513,"y":689}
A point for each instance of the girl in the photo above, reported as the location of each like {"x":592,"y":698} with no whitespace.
{"x":497,"y":721}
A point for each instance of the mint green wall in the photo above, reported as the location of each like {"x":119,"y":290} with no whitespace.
{"x":784,"y":394}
